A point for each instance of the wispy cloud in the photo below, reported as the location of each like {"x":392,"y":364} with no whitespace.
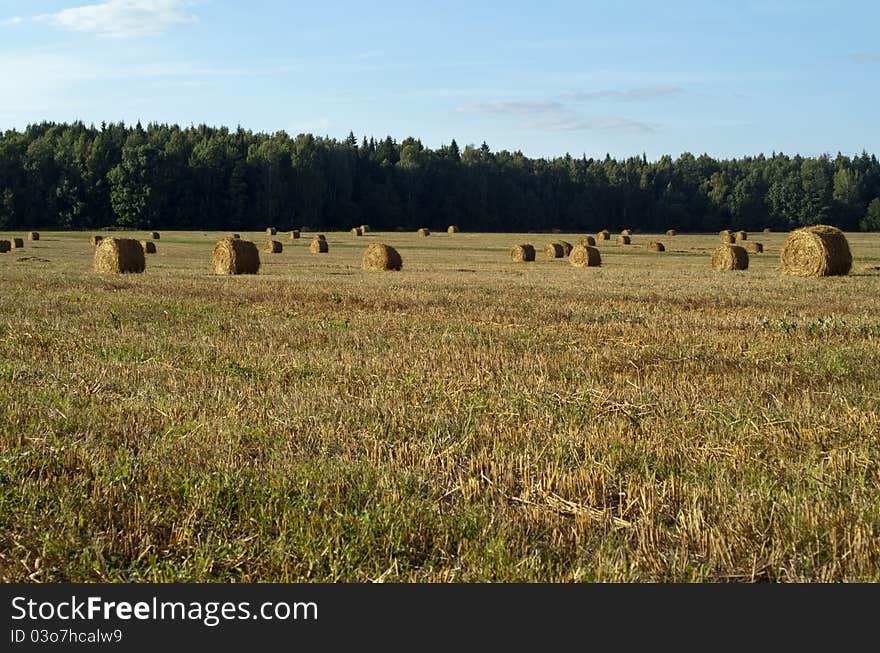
{"x":123,"y":19}
{"x":571,"y":123}
{"x":15,"y":20}
{"x":515,"y":107}
{"x":866,"y":57}
{"x":630,"y":95}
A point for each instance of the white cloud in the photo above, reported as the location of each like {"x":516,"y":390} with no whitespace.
{"x":124,"y":18}
{"x":630,"y":95}
{"x":517,"y":107}
{"x":15,"y":20}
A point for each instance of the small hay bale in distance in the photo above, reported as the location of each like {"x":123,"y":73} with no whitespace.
{"x":554,"y":250}
{"x":120,"y":256}
{"x":424,"y":232}
{"x":271,"y":231}
{"x":725,"y":232}
{"x":654,"y":246}
{"x":357,"y":231}
{"x":273,"y":247}
{"x":235,"y":236}
{"x":5,"y":246}
{"x":730,"y":257}
{"x":623,"y":239}
{"x":671,"y":232}
{"x":767,"y":230}
{"x":96,"y":240}
{"x":320,"y":236}
{"x":319,"y":246}
{"x":294,"y":234}
{"x":817,"y":251}
{"x":365,"y":228}
{"x":452,"y":229}
{"x":522,"y":253}
{"x":17,"y":243}
{"x":566,"y":247}
{"x":603,"y":235}
{"x":587,"y":241}
{"x":154,"y":235}
{"x":584,"y":256}
{"x":741,"y":235}
{"x":626,"y":232}
{"x":382,"y":257}
{"x":33,"y":235}
{"x":728,"y":238}
{"x":235,"y":256}
{"x":753,"y":247}
{"x":149,"y":246}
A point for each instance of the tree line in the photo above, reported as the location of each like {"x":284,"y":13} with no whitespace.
{"x":73,"y":176}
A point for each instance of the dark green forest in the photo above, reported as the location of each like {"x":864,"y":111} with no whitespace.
{"x":73,"y":176}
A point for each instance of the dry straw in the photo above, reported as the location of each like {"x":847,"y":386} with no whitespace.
{"x":154,"y":235}
{"x":725,"y":232}
{"x":566,"y":247}
{"x":273,"y":247}
{"x":452,"y":229}
{"x":235,"y":236}
{"x":654,"y":246}
{"x":728,"y":238}
{"x":753,"y":247}
{"x":587,"y":241}
{"x":365,"y":228}
{"x":17,"y":243}
{"x":357,"y":231}
{"x":741,"y":235}
{"x":271,"y":231}
{"x":626,"y":232}
{"x":97,"y":239}
{"x":319,"y":246}
{"x":294,"y":235}
{"x":423,"y":232}
{"x":381,"y":257}
{"x":671,"y":232}
{"x":585,"y":257}
{"x":767,"y":230}
{"x":149,"y":246}
{"x":603,"y":235}
{"x":730,"y":257}
{"x":818,"y":251}
{"x":320,"y":236}
{"x":120,"y":255}
{"x":522,"y":253}
{"x":623,"y":239}
{"x":5,"y":246}
{"x":554,"y":250}
{"x":235,"y":256}
{"x":33,"y":235}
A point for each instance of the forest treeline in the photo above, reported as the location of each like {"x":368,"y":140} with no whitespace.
{"x":73,"y":176}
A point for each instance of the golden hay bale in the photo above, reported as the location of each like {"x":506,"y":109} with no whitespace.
{"x":381,"y":257}
{"x":273,"y":247}
{"x":17,"y":243}
{"x":320,"y":236}
{"x":154,"y":235}
{"x":566,"y":247}
{"x":554,"y":250}
{"x":452,"y":229}
{"x":623,"y":239}
{"x":626,"y":232}
{"x":767,"y":230}
{"x":725,"y":232}
{"x":235,"y":256}
{"x":583,"y":256}
{"x":365,"y":228}
{"x":319,"y":246}
{"x":423,"y":232}
{"x":818,"y":251}
{"x":587,"y":241}
{"x":294,"y":235}
{"x":741,"y":235}
{"x":5,"y":246}
{"x":97,"y":239}
{"x":671,"y":232}
{"x":271,"y":231}
{"x":149,"y":246}
{"x":603,"y":235}
{"x":357,"y":231}
{"x":523,"y":253}
{"x":120,"y":255}
{"x":33,"y":235}
{"x":753,"y":247}
{"x":235,"y":236}
{"x":654,"y":246}
{"x":728,"y":238}
{"x":730,"y":257}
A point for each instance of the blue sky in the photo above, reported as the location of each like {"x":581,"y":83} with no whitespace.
{"x":726,"y":78}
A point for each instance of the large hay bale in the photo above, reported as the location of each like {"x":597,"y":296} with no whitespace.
{"x":623,"y":239}
{"x":5,"y":246}
{"x":149,"y":246}
{"x":554,"y":250}
{"x":154,"y":235}
{"x":17,"y":243}
{"x":424,"y":232}
{"x":818,"y":251}
{"x":452,"y":229}
{"x":730,"y":257}
{"x":603,"y":235}
{"x":382,"y":257}
{"x":235,"y":256}
{"x":584,"y":256}
{"x":319,"y":246}
{"x":741,"y":235}
{"x":294,"y":234}
{"x":271,"y":231}
{"x":753,"y":247}
{"x":120,"y":255}
{"x":97,"y":239}
{"x":522,"y":253}
{"x":728,"y":238}
{"x":357,"y":231}
{"x":33,"y":235}
{"x":273,"y":247}
{"x":587,"y":241}
{"x":654,"y":246}
{"x":566,"y":247}
{"x":671,"y":232}
{"x":626,"y":232}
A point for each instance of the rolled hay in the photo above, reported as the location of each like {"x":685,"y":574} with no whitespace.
{"x":33,"y":235}
{"x":235,"y":256}
{"x":671,"y":232}
{"x":154,"y":235}
{"x":365,"y":228}
{"x":623,"y":239}
{"x":17,"y":243}
{"x":235,"y":236}
{"x":725,"y":232}
{"x":587,"y":241}
{"x":294,"y":235}
{"x":728,"y":238}
{"x":273,"y":247}
{"x":654,"y":246}
{"x":554,"y":250}
{"x":271,"y":231}
{"x":357,"y":231}
{"x":767,"y":230}
{"x":319,"y":246}
{"x":424,"y":232}
{"x":603,"y":235}
{"x":584,"y":256}
{"x":522,"y":253}
{"x":120,"y":255}
{"x":382,"y":257}
{"x":741,"y":235}
{"x":754,"y":248}
{"x":730,"y":257}
{"x":97,"y":239}
{"x":320,"y":236}
{"x":566,"y":247}
{"x":817,"y":251}
{"x":5,"y":246}
{"x":626,"y":232}
{"x":149,"y":246}
{"x":452,"y":229}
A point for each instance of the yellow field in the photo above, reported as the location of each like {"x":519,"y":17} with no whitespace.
{"x":466,"y":419}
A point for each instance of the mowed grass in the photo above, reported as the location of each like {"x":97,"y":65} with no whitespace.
{"x":466,"y":419}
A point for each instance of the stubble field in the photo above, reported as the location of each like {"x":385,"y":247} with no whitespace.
{"x":466,"y":419}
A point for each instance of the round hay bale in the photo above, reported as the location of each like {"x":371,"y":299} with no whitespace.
{"x":382,"y":257}
{"x":271,"y":231}
{"x":320,"y":236}
{"x":294,"y":235}
{"x":5,"y":246}
{"x":235,"y":256}
{"x":17,"y":243}
{"x":818,"y":251}
{"x":424,"y":232}
{"x":566,"y":247}
{"x":725,"y":232}
{"x":626,"y":232}
{"x":365,"y":228}
{"x":603,"y":235}
{"x":273,"y":247}
{"x":654,"y":246}
{"x":623,"y":239}
{"x":730,"y":257}
{"x":522,"y":253}
{"x":235,"y":236}
{"x":728,"y":238}
{"x":452,"y":229}
{"x":149,"y":246}
{"x":120,"y":255}
{"x":357,"y":231}
{"x":584,"y":256}
{"x":753,"y":247}
{"x":741,"y":235}
{"x":97,"y":239}
{"x":587,"y":241}
{"x":319,"y":246}
{"x":767,"y":230}
{"x":154,"y":235}
{"x":33,"y":235}
{"x":554,"y":250}
{"x":671,"y":232}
